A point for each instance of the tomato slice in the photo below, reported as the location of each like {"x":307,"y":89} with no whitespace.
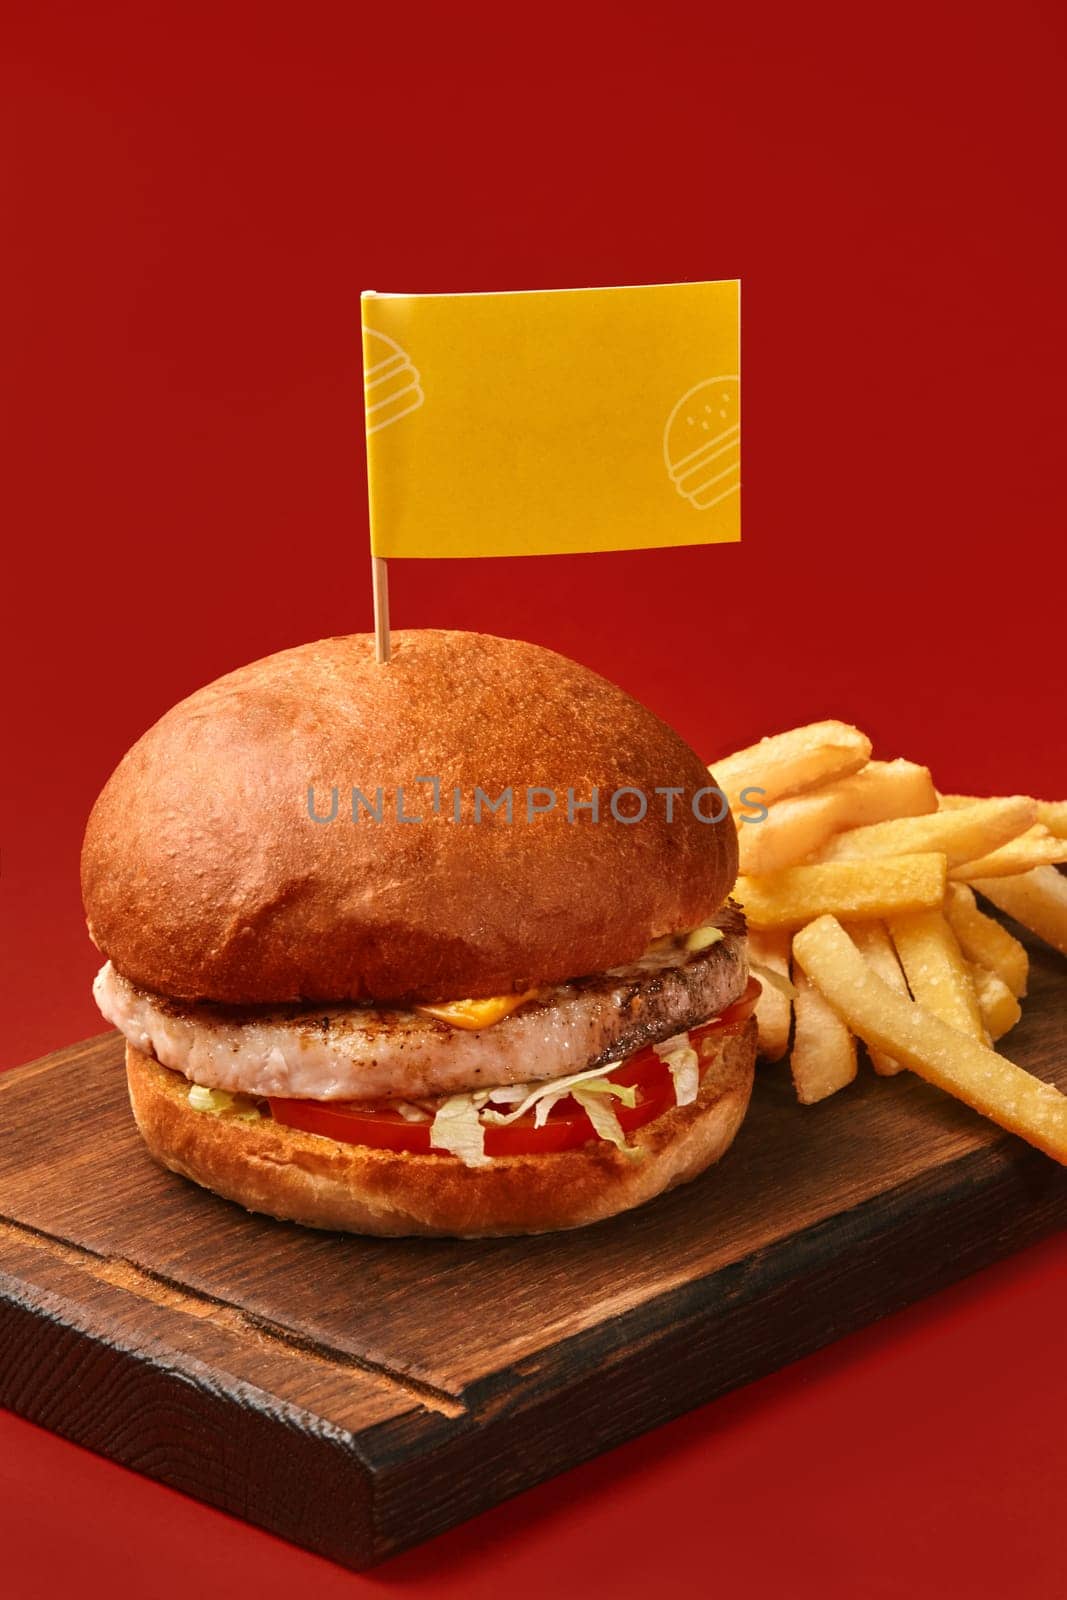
{"x":352,"y":1122}
{"x":566,"y":1127}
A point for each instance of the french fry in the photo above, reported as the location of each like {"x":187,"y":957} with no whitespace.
{"x":999,"y":1007}
{"x":852,"y":889}
{"x":961,"y":835}
{"x":1052,"y":814}
{"x":1037,"y":899}
{"x":791,"y":830}
{"x":774,"y":1008}
{"x":937,"y":973}
{"x":984,"y":941}
{"x":788,"y":763}
{"x":823,"y":1057}
{"x":874,"y":944}
{"x":795,"y":827}
{"x":971,"y":1071}
{"x":884,"y":789}
{"x":1034,"y":848}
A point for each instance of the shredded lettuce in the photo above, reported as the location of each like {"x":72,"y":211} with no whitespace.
{"x":703,"y":938}
{"x":458,"y":1128}
{"x":602,"y":1115}
{"x":460,"y":1123}
{"x":544,"y":1095}
{"x":667,"y":1047}
{"x":509,"y":1093}
{"x":683,"y":1063}
{"x":220,"y":1102}
{"x":409,"y":1112}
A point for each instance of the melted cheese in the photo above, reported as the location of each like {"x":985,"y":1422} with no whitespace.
{"x":474,"y":1014}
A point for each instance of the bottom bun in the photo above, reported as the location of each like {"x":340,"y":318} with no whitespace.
{"x":303,"y":1177}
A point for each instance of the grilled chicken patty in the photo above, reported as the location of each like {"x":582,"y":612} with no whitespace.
{"x":358,"y":1052}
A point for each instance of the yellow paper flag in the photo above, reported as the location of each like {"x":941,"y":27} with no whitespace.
{"x":553,"y":420}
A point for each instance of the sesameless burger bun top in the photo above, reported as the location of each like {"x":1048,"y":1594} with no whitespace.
{"x":205,"y":875}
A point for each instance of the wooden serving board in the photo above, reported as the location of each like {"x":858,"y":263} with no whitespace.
{"x":359,"y":1395}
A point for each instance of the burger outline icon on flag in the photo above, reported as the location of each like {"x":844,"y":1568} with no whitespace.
{"x":391,"y":381}
{"x":702,"y":441}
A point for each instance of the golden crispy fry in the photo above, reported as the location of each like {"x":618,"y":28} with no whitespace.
{"x":823,"y":1058}
{"x":937,"y":973}
{"x":801,"y":824}
{"x":853,"y":889}
{"x":774,"y":1008}
{"x":1037,"y":899}
{"x":791,"y":830}
{"x":965,"y":1068}
{"x":788,"y":763}
{"x":984,"y":941}
{"x":1034,"y":848}
{"x":1052,"y":814}
{"x":883,"y":789}
{"x":874,"y":944}
{"x":961,"y":835}
{"x":999,"y":1007}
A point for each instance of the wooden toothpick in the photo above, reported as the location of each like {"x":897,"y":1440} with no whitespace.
{"x":380,"y":585}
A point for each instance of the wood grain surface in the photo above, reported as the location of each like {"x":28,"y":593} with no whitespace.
{"x":358,"y":1395}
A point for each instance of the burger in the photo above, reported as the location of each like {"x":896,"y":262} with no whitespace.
{"x":441,"y":945}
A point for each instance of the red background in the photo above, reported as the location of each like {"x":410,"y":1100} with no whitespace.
{"x":194,"y":196}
